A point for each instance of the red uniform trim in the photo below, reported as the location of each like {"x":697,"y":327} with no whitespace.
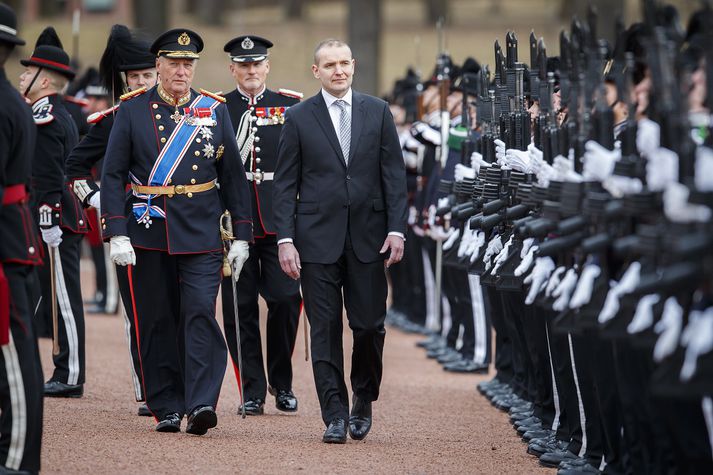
{"x":50,"y":63}
{"x":130,"y":273}
{"x":14,"y":194}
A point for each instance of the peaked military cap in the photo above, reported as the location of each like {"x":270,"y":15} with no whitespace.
{"x":178,"y":43}
{"x":8,"y":26}
{"x":247,"y":49}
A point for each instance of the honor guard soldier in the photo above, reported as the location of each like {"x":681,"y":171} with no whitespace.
{"x":60,"y":215}
{"x":257,"y":114}
{"x":127,"y":64}
{"x":173,"y":146}
{"x":20,"y":370}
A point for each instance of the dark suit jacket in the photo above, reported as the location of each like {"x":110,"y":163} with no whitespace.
{"x":318,"y":198}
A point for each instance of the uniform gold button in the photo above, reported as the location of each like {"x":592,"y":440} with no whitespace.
{"x":155,"y":106}
{"x":198,"y":140}
{"x":190,"y":195}
{"x":170,"y":196}
{"x":158,"y":116}
{"x":169,"y":181}
{"x":161,"y":127}
{"x":193,"y":181}
{"x":197,"y":153}
{"x":163,"y":139}
{"x":195,"y":167}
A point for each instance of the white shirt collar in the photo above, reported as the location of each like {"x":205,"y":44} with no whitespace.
{"x":330,"y":99}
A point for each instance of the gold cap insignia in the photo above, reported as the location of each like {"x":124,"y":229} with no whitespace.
{"x":184,"y":39}
{"x":247,"y":43}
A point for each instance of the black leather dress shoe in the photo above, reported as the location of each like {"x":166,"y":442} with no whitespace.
{"x":170,"y":423}
{"x":336,"y":432}
{"x":466,"y":366}
{"x":285,"y":400}
{"x":201,"y":419}
{"x":144,"y":411}
{"x":253,"y":407}
{"x":9,"y":471}
{"x":57,"y":389}
{"x":360,"y":419}
{"x":553,"y":459}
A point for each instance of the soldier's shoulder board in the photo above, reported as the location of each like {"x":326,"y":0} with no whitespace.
{"x":214,"y":95}
{"x":132,"y":94}
{"x":42,"y":111}
{"x":97,"y":117}
{"x":290,"y":93}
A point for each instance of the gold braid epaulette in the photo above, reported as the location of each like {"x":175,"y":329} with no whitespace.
{"x":215,"y":96}
{"x":129,"y":95}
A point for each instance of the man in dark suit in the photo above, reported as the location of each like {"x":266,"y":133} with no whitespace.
{"x":340,"y":210}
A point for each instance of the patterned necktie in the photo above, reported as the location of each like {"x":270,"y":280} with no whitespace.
{"x":345,"y":128}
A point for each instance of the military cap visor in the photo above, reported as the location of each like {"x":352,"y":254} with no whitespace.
{"x":178,"y":43}
{"x":52,"y":58}
{"x":8,"y":26}
{"x":247,"y":49}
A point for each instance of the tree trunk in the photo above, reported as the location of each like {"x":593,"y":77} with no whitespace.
{"x":436,"y":9}
{"x":364,"y":27}
{"x":211,"y":12}
{"x":151,"y":17}
{"x":294,"y":9}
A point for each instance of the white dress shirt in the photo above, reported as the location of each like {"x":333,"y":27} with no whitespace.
{"x":334,"y":113}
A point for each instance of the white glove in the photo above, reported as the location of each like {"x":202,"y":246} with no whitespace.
{"x":661,"y":168}
{"x":238,"y":254}
{"x":583,"y":293}
{"x":554,"y":280}
{"x":95,"y":202}
{"x":679,"y":210}
{"x":704,"y":169}
{"x":527,"y":259}
{"x":462,"y":172}
{"x":563,"y":291}
{"x":648,"y":135}
{"x":535,"y":153}
{"x":537,"y":278}
{"x":598,"y":161}
{"x":453,"y":234}
{"x":502,"y":256}
{"x":474,"y":249}
{"x":428,"y":133}
{"x":564,"y":167}
{"x":619,"y":185}
{"x":628,"y":283}
{"x":477,"y":162}
{"x":544,"y":172}
{"x":494,"y":247}
{"x":669,"y":329}
{"x":468,"y":236}
{"x":499,"y":150}
{"x":644,"y":315}
{"x":52,"y":236}
{"x":121,"y":252}
{"x":698,"y":340}
{"x":412,"y":215}
{"x":517,"y":160}
{"x":432,"y":216}
{"x":442,"y":202}
{"x":438,"y":233}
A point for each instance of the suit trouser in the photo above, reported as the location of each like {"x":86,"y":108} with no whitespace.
{"x":503,"y":346}
{"x":365,"y":291}
{"x":122,"y":277}
{"x":183,"y":354}
{"x":69,"y":364}
{"x":412,"y":265}
{"x":21,"y":381}
{"x":262,"y":275}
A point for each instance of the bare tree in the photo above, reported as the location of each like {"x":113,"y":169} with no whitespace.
{"x":294,"y":9}
{"x":436,"y":9}
{"x":151,"y":17}
{"x":364,"y":26}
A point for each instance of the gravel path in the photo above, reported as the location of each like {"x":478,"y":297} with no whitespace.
{"x":426,"y":421}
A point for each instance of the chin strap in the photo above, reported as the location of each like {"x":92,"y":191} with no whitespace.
{"x":32,"y":83}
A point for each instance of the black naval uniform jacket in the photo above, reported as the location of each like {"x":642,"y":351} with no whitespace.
{"x":19,"y":240}
{"x":90,"y":150}
{"x":267,"y":111}
{"x":56,"y":137}
{"x":141,"y":129}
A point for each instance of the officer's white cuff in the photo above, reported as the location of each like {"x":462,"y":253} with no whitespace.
{"x":284,"y":240}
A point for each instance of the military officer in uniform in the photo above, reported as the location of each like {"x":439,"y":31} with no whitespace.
{"x":174,"y":146}
{"x":60,"y":215}
{"x":20,"y":370}
{"x":257,"y":114}
{"x":126,"y":63}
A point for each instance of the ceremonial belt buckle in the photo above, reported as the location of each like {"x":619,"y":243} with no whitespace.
{"x":179,"y":189}
{"x":257,"y":176}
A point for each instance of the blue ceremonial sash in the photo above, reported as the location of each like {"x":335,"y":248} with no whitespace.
{"x":168,"y":160}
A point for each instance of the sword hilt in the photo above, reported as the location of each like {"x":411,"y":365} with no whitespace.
{"x":227,"y":236}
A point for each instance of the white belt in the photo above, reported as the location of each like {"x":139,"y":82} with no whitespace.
{"x":259,"y":176}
